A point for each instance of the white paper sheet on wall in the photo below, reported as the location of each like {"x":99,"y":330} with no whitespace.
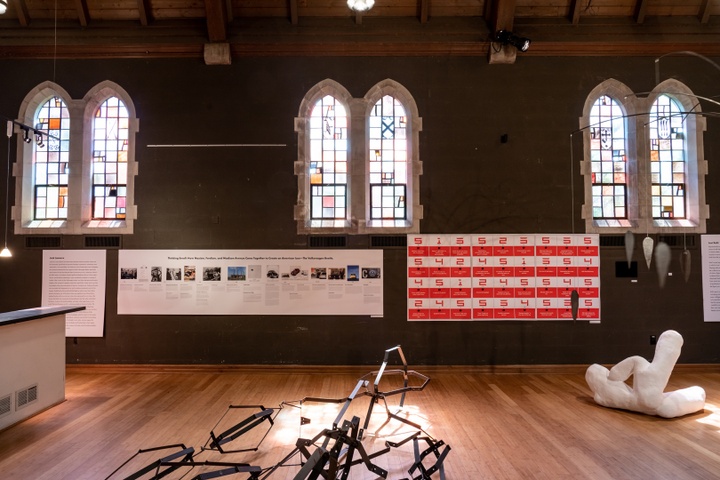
{"x":76,"y":278}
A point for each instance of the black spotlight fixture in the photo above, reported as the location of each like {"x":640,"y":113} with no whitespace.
{"x":508,"y":38}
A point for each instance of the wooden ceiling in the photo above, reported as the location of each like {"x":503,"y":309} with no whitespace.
{"x":183,"y":28}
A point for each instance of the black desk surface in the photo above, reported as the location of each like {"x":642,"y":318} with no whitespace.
{"x":28,"y":314}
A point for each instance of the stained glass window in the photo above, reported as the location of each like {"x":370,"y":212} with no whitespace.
{"x":608,"y":159}
{"x":388,"y":160}
{"x":110,"y":160}
{"x":51,"y":161}
{"x":328,"y":160}
{"x":667,"y":158}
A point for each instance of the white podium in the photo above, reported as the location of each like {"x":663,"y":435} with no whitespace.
{"x":32,"y":355}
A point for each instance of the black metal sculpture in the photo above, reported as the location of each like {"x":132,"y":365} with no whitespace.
{"x":337,"y":449}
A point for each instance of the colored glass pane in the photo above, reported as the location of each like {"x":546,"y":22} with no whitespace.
{"x":388,"y":156}
{"x":328,"y":134}
{"x":608,"y":159}
{"x":109,"y":155}
{"x":667,"y":130}
{"x":50,"y":161}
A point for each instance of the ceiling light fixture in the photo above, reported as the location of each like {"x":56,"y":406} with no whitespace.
{"x":508,"y":38}
{"x":3,"y":6}
{"x":355,"y":5}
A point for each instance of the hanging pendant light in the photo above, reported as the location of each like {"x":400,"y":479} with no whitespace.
{"x":360,"y":5}
{"x":6,"y":251}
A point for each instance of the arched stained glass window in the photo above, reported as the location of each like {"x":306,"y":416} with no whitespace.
{"x":388,"y":160}
{"x":110,"y":160}
{"x":608,"y":159}
{"x":328,"y":160}
{"x":51,"y":161}
{"x":667,"y":132}
{"x":358,"y":165}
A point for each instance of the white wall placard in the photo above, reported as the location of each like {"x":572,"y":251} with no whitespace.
{"x":502,"y":277}
{"x":710,"y":251}
{"x":250,"y":282}
{"x":75,"y":278}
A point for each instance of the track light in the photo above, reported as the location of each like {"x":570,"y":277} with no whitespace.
{"x":26,"y":135}
{"x":508,"y":38}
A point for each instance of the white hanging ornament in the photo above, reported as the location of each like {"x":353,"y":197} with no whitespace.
{"x":647,"y":245}
{"x":685,"y":264}
{"x":629,"y":246}
{"x":662,"y":261}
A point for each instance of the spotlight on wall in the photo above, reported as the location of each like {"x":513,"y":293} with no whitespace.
{"x":355,"y":5}
{"x":508,"y":38}
{"x":26,"y":135}
{"x":3,"y":6}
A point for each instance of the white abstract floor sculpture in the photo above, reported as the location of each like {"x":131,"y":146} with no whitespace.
{"x":649,"y":380}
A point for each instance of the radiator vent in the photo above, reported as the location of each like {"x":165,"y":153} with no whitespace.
{"x":102,"y":241}
{"x":612,"y":240}
{"x":678,"y":241}
{"x":396,"y":241}
{"x":43,"y":241}
{"x":5,"y":405}
{"x":333,"y":241}
{"x":25,"y":397}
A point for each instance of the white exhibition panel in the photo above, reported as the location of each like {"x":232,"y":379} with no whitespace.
{"x":710,"y":251}
{"x":502,"y":277}
{"x":76,"y":277}
{"x":250,"y":282}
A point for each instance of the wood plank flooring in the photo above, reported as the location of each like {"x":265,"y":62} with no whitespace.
{"x":499,"y":426}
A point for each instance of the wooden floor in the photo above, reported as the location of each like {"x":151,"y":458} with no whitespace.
{"x":499,"y":426}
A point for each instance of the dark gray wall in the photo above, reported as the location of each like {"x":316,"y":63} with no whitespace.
{"x":472,"y":183}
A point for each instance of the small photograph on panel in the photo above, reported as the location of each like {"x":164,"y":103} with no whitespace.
{"x":353,"y":273}
{"x":173,"y":274}
{"x":212,"y":274}
{"x":318,"y":273}
{"x":296,"y":273}
{"x":370,"y":272}
{"x":337,"y":273}
{"x":272,"y":271}
{"x":254,"y":272}
{"x":236,"y":274}
{"x":156,"y":274}
{"x":128,"y":273}
{"x":189,"y":273}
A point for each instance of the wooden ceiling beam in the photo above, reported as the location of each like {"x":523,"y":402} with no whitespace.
{"x":502,"y":16}
{"x":229,"y":15}
{"x":216,"y":15}
{"x":83,"y":12}
{"x":145,"y":12}
{"x":293,"y":8}
{"x":424,"y":11}
{"x":575,"y":11}
{"x":22,"y":12}
{"x":640,"y":9}
{"x":704,"y":14}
